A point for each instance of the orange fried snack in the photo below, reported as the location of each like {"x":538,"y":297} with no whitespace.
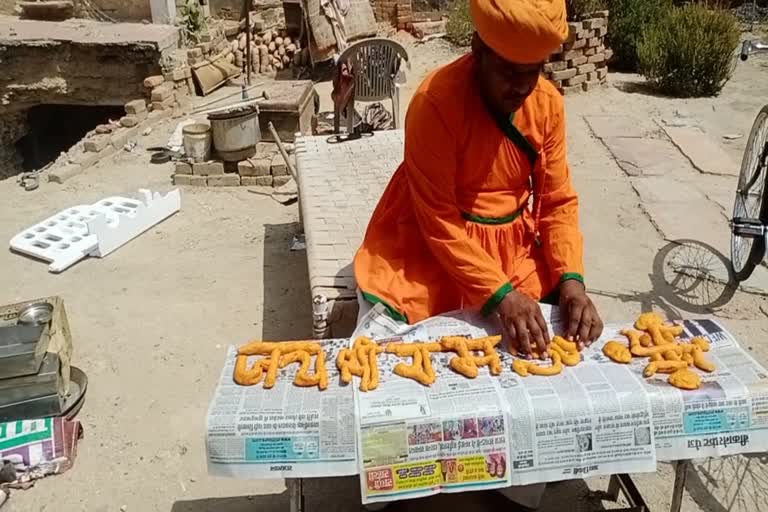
{"x":421,"y":370}
{"x":636,"y":347}
{"x":281,"y":354}
{"x":361,"y":360}
{"x":617,"y":352}
{"x":468,"y":364}
{"x":525,"y":368}
{"x":701,"y":362}
{"x":660,"y":334}
{"x":663,"y":367}
{"x":685,"y":379}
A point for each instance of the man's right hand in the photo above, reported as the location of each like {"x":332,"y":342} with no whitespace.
{"x":524,"y":323}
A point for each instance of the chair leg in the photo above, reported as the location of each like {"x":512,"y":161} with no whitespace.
{"x":336,"y":119}
{"x":350,"y":117}
{"x":396,"y":107}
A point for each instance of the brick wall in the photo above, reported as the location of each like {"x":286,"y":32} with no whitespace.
{"x":385,"y":10}
{"x":582,"y":64}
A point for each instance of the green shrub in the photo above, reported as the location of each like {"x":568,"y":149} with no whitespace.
{"x":459,"y":28}
{"x":690,"y":51}
{"x":582,"y":9}
{"x":626,"y":21}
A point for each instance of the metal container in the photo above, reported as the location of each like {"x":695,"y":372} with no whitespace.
{"x":39,"y":313}
{"x":197,"y":142}
{"x":236,"y":132}
{"x":21,"y":350}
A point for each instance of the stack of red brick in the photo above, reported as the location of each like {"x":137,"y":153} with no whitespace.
{"x":582,"y":63}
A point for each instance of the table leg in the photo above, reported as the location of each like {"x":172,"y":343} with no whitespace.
{"x":295,"y":493}
{"x":681,"y":474}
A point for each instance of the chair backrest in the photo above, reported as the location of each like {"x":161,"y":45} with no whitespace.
{"x":375,"y":64}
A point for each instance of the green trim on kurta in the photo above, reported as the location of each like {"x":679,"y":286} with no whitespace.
{"x":572,"y":276}
{"x":394,"y":313}
{"x":507,"y":126}
{"x":553,"y":298}
{"x":496,"y":299}
{"x":477,"y":219}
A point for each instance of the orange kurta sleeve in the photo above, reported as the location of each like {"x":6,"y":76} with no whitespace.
{"x":431,"y":163}
{"x":559,"y":209}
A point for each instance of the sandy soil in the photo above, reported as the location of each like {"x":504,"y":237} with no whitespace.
{"x":152,"y":320}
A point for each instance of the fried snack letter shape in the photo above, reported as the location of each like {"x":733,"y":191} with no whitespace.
{"x":617,"y":352}
{"x":685,"y":379}
{"x":525,"y":368}
{"x":361,"y":360}
{"x":249,"y":376}
{"x":421,"y":370}
{"x":660,"y":334}
{"x":466,"y":363}
{"x":636,"y":348}
{"x":663,"y":367}
{"x":701,"y":342}
{"x":701,"y":362}
{"x":281,"y":354}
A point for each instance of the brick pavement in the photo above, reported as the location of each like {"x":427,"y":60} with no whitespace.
{"x":339,"y":187}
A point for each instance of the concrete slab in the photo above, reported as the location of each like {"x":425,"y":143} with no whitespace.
{"x":647,"y":157}
{"x":704,"y":153}
{"x":622,"y":126}
{"x":78,"y":31}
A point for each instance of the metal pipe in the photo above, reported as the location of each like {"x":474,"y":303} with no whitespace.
{"x":247,"y":41}
{"x":283,"y":152}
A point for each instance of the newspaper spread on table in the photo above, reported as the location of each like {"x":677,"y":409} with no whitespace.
{"x":407,"y":440}
{"x":283,"y":432}
{"x":493,"y":432}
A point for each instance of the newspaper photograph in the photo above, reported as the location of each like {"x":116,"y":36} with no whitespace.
{"x":283,"y":432}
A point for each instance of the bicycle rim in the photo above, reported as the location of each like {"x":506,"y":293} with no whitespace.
{"x":746,"y":252}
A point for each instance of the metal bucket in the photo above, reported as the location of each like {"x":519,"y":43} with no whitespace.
{"x":235,"y":133}
{"x":197,"y":142}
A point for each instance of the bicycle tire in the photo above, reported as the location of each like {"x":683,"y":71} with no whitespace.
{"x":748,"y":172}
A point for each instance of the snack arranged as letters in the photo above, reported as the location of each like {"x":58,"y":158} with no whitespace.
{"x":360,"y":360}
{"x":667,"y":353}
{"x":280,"y":355}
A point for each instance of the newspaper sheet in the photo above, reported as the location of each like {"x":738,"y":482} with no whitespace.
{"x":283,"y":432}
{"x":407,"y":440}
{"x":493,"y":432}
{"x":728,"y":415}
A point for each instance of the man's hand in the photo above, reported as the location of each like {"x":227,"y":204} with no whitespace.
{"x":583,"y":323}
{"x":524,"y":323}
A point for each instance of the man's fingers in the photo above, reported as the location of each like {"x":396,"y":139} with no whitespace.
{"x":585,"y":325}
{"x":537,"y":337}
{"x":523,"y":338}
{"x":575,"y":309}
{"x":597,"y":327}
{"x":542,"y":325}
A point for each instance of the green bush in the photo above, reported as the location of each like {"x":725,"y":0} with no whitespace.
{"x":582,"y":9}
{"x":626,"y":22}
{"x":689,"y":52}
{"x":459,"y":28}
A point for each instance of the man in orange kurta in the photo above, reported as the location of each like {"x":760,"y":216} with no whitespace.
{"x":482,"y":212}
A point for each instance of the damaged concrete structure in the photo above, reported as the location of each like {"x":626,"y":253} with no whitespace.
{"x":52,"y":69}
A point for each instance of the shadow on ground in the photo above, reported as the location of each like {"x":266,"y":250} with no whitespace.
{"x":269,"y":503}
{"x":287,"y":297}
{"x":687,"y":275}
{"x":729,"y":484}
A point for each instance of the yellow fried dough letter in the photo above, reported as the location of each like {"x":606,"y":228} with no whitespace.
{"x":617,"y":352}
{"x":362,"y":361}
{"x":421,"y":370}
{"x":663,"y":367}
{"x":685,"y":379}
{"x":466,"y":363}
{"x":701,"y":362}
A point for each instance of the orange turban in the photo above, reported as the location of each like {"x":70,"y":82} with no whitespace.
{"x":521,"y":31}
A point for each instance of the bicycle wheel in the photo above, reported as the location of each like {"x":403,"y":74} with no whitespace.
{"x":750,"y":204}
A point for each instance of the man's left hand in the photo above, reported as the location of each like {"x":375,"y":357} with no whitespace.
{"x":583,"y":323}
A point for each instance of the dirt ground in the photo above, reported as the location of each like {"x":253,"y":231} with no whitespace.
{"x":152,"y":320}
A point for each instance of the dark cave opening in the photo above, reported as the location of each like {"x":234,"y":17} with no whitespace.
{"x":54,"y":129}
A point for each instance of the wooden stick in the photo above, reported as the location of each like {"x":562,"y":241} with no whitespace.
{"x":283,"y":152}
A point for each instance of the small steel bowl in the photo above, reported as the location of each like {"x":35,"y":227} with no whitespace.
{"x":39,"y":313}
